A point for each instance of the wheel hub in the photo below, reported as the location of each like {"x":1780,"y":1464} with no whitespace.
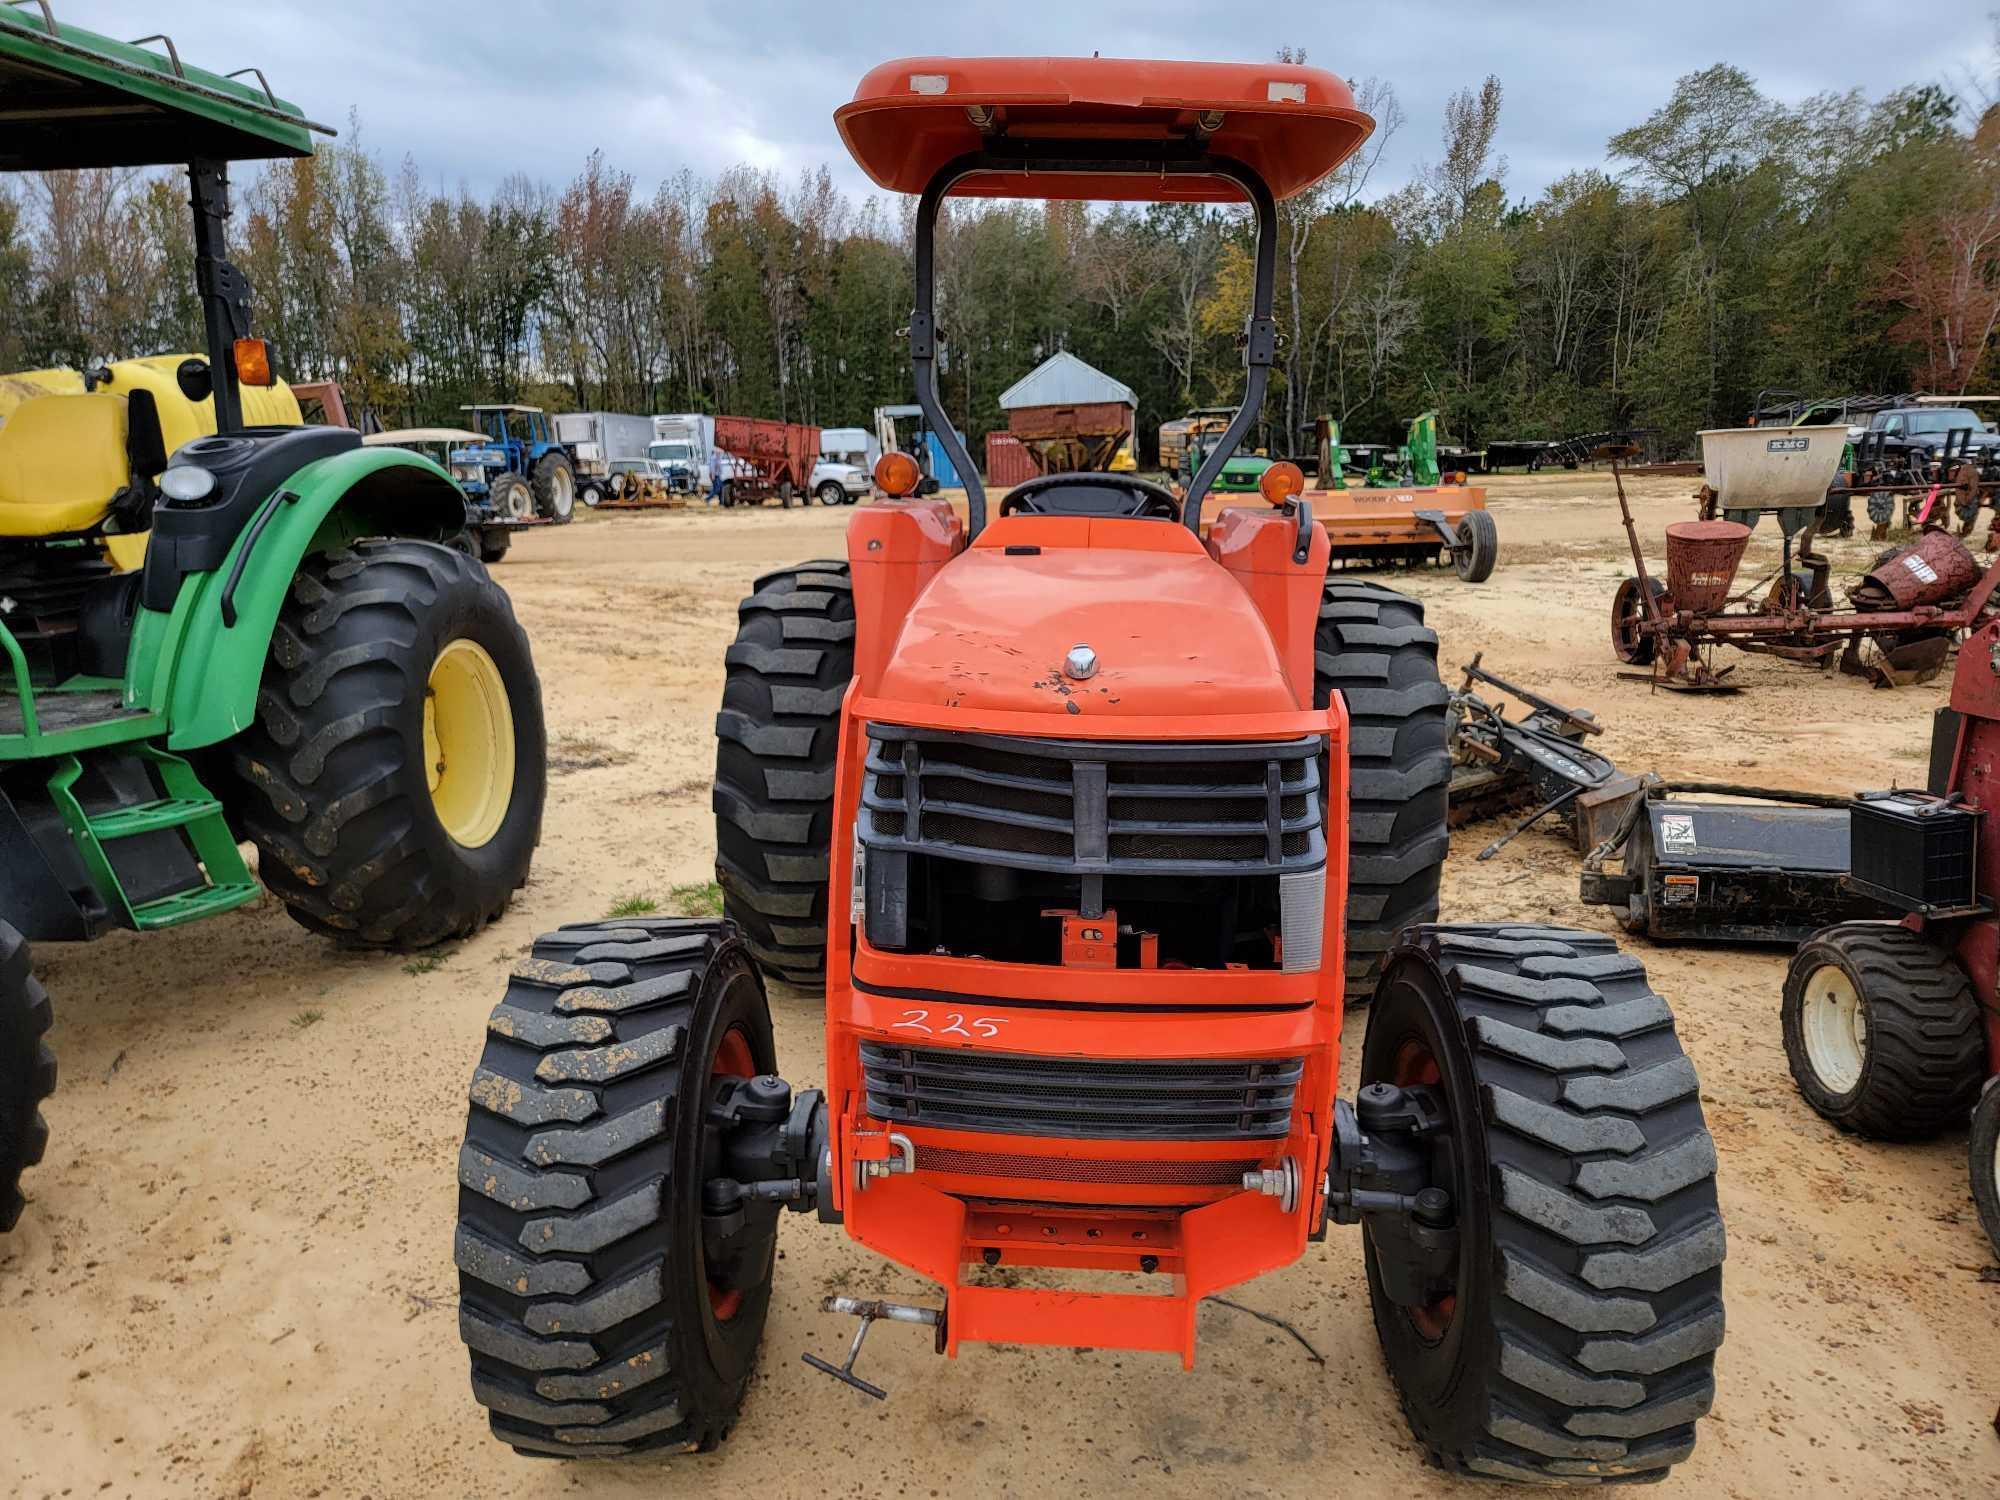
{"x":1834,"y":1028}
{"x":468,"y":743}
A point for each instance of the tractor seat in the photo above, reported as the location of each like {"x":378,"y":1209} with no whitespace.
{"x":62,"y":460}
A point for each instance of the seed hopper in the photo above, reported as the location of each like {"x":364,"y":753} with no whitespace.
{"x":1902,"y":615}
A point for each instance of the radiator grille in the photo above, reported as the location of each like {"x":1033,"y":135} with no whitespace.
{"x":1088,"y":806}
{"x":1205,"y":1099}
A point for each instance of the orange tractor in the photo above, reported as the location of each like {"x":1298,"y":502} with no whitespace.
{"x":1090,"y":824}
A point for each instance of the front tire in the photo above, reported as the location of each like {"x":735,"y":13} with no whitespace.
{"x":775,"y":742}
{"x":1882,"y":1032}
{"x":27,"y":1072}
{"x":831,"y":493}
{"x":1372,"y":647}
{"x":398,"y":755}
{"x":1481,"y":540}
{"x":595,"y":1324}
{"x":493,"y":543}
{"x":1576,"y":1341}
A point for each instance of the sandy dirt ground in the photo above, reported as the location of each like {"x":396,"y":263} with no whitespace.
{"x":235,"y":1277}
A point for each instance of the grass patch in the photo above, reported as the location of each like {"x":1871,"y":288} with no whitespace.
{"x":424,"y":963}
{"x":633,"y":906}
{"x":307,"y":1018}
{"x":703,"y":899}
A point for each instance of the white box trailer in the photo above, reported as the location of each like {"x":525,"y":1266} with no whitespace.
{"x":601,"y":438}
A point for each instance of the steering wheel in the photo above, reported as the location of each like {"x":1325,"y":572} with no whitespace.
{"x":1083,"y":494}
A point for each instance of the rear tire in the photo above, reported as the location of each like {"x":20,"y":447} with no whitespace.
{"x":776,"y":739}
{"x":1983,"y":1153}
{"x":1578,"y":1342}
{"x":353,"y":839}
{"x":555,"y":486}
{"x":27,"y":1072}
{"x":1481,"y":538}
{"x":585,"y":1302}
{"x":1882,"y":1032}
{"x":1373,"y":648}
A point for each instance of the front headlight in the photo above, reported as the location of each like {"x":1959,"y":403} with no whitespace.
{"x":187,"y":484}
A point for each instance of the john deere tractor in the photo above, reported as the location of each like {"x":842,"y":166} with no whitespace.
{"x":1090,"y":819}
{"x":218,"y":626}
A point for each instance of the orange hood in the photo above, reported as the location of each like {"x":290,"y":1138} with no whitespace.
{"x":1174,"y":632}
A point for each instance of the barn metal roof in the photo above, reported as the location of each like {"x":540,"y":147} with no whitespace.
{"x":1064,"y":380}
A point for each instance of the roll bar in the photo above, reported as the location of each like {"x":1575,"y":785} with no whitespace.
{"x":1260,"y":338}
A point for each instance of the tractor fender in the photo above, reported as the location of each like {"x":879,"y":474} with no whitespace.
{"x":201,"y":665}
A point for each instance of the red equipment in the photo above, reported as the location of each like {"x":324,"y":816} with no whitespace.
{"x":1091,"y":820}
{"x":773,"y":458}
{"x":1893,"y":1030}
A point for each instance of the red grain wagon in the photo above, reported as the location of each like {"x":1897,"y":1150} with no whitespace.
{"x":771,"y":458}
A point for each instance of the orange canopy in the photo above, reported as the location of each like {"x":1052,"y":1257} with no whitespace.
{"x":1289,"y":124}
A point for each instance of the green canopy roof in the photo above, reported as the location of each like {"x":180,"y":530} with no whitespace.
{"x":72,"y":98}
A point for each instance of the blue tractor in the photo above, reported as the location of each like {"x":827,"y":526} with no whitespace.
{"x":521,"y":471}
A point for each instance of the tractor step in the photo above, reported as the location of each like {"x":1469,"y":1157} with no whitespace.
{"x":203,"y":860}
{"x":151,"y":817}
{"x":189,"y":906}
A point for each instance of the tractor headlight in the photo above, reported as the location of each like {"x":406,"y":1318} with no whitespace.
{"x":187,"y":484}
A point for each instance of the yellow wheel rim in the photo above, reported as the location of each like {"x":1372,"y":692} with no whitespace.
{"x":468,"y":743}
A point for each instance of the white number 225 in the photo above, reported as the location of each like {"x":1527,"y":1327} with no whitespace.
{"x":954,"y":1024}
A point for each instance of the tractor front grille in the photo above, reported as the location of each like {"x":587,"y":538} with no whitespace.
{"x":1092,"y":806}
{"x":1204,"y":1099}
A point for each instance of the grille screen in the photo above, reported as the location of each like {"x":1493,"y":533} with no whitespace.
{"x":1200,"y":1100}
{"x":1076,"y":806}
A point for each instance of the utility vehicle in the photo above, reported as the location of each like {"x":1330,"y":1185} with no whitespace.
{"x":1065,"y":808}
{"x":1892,"y":1028}
{"x":253,"y":635}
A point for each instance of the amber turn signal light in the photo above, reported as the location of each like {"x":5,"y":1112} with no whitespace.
{"x":1281,"y":482}
{"x":897,"y":474}
{"x":253,"y":362}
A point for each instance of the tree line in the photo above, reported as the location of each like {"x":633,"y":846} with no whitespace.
{"x":1727,"y":243}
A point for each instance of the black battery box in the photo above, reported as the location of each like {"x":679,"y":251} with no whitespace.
{"x":1916,"y":850}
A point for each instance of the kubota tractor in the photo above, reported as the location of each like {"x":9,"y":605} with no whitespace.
{"x":1089,"y":823}
{"x":220,"y":626}
{"x":1892,"y":1029}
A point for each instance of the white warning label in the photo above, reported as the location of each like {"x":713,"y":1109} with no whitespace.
{"x":1921,"y":568}
{"x":1677,"y":832}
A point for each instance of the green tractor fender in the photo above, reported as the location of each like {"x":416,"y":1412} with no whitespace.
{"x":200,"y":665}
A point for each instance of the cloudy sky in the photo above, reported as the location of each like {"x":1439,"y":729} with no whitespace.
{"x":476,"y":89}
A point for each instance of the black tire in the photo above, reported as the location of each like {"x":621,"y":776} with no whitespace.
{"x":1983,"y":1155}
{"x":1372,"y":646}
{"x":728,"y":496}
{"x":832,"y":493}
{"x":1481,"y":538}
{"x":1580,"y":1344}
{"x":787,"y":496}
{"x":584,"y":1298}
{"x":27,"y":1072}
{"x":775,"y":743}
{"x":591,"y":493}
{"x":1919,"y":1046}
{"x":1627,"y":608}
{"x":555,"y":486}
{"x":493,"y":543}
{"x":511,"y":497}
{"x":339,"y":799}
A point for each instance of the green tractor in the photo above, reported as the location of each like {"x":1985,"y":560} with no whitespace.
{"x":254,"y":635}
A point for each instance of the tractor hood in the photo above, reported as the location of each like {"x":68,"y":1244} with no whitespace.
{"x":1172,"y":631}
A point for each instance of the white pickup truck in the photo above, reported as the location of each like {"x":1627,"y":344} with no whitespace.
{"x":837,"y":482}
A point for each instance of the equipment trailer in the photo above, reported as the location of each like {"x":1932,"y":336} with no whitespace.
{"x":1089,"y":826}
{"x":297,"y":662}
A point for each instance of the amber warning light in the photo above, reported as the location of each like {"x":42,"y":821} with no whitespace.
{"x":1282,"y":481}
{"x":896,"y":474}
{"x":253,"y":362}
